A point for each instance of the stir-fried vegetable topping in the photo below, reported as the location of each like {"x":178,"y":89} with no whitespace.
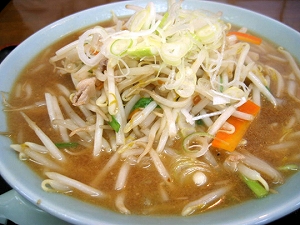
{"x":255,"y":186}
{"x":228,"y":140}
{"x":246,"y":37}
{"x":289,"y":167}
{"x":66,"y":145}
{"x":163,"y":91}
{"x":114,"y":124}
{"x":141,"y":103}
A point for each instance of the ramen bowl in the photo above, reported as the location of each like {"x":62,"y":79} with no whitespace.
{"x":28,"y":197}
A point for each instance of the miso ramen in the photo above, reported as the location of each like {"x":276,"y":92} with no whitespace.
{"x":172,"y":113}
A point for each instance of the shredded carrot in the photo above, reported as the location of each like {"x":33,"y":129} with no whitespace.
{"x":160,"y":82}
{"x":196,"y":99}
{"x":133,"y":112}
{"x":99,"y":84}
{"x":246,"y":37}
{"x":228,"y":141}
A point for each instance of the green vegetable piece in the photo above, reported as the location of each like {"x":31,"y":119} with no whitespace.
{"x":172,"y":52}
{"x":289,"y":167}
{"x":146,"y":48}
{"x":140,"y":20}
{"x":120,"y":46}
{"x":200,"y":122}
{"x":66,"y":145}
{"x":164,"y":20}
{"x":207,"y":34}
{"x":255,"y":186}
{"x":140,"y":52}
{"x":142,"y":103}
{"x":114,"y":124}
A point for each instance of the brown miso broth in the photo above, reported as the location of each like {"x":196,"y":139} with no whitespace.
{"x":145,"y":191}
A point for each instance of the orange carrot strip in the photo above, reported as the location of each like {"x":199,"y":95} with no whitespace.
{"x":246,"y":37}
{"x":196,"y":99}
{"x":160,"y":82}
{"x":229,"y":142}
{"x":99,"y":84}
{"x":133,"y":112}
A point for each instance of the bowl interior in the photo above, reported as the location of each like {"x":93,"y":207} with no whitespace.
{"x":27,"y":183}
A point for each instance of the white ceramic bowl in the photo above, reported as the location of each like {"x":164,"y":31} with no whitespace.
{"x":27,"y":183}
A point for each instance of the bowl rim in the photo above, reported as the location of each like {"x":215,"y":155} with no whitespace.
{"x":78,"y":215}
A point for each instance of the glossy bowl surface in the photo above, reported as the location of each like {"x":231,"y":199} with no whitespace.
{"x":27,"y":183}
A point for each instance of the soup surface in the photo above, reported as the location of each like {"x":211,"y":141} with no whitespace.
{"x":151,"y":169}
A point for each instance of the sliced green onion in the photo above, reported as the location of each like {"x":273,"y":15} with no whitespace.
{"x":120,"y":46}
{"x":141,"y":20}
{"x":255,"y":186}
{"x":164,"y":20}
{"x":114,"y":124}
{"x":289,"y":167}
{"x":208,"y":33}
{"x":172,"y":52}
{"x":141,"y":51}
{"x":66,"y":145}
{"x":148,"y":47}
{"x":187,"y":84}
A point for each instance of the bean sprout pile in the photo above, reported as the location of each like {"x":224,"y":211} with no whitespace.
{"x":150,"y":83}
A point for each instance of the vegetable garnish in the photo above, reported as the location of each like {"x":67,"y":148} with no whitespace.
{"x":246,"y":37}
{"x":227,"y":141}
{"x":114,"y":124}
{"x":200,"y":122}
{"x":289,"y":167}
{"x":66,"y":145}
{"x":133,"y":112}
{"x":196,"y":99}
{"x":141,"y":103}
{"x":120,"y":46}
{"x":255,"y":186}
